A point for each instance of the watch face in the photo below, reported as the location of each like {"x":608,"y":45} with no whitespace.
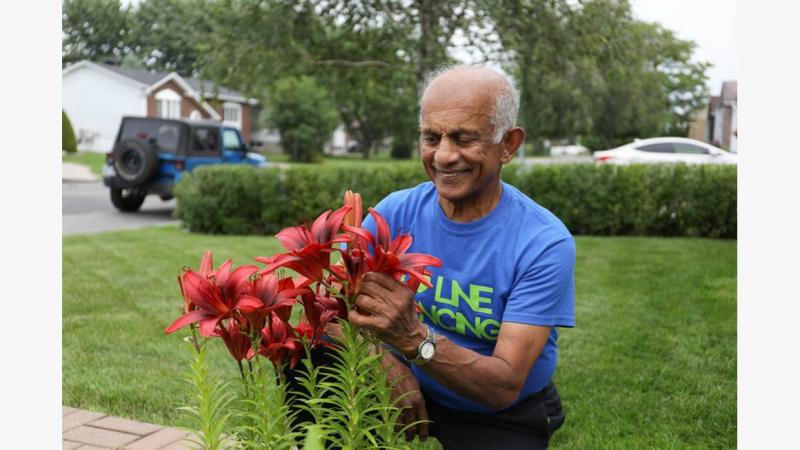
{"x":426,"y":351}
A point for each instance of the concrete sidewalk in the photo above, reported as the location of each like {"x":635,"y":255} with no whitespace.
{"x":87,"y":430}
{"x":72,"y":172}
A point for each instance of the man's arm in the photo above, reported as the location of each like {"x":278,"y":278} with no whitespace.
{"x":386,"y":307}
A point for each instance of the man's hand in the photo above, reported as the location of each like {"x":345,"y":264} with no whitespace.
{"x":386,"y":306}
{"x":411,"y":401}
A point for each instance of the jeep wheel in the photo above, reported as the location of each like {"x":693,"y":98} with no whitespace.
{"x":135,"y":161}
{"x":127,"y":200}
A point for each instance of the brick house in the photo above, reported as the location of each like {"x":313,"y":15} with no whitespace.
{"x":95,"y":96}
{"x":721,"y":126}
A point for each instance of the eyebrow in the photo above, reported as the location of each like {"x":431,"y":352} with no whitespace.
{"x":456,"y":132}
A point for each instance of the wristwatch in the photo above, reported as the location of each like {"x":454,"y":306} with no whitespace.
{"x":426,"y":349}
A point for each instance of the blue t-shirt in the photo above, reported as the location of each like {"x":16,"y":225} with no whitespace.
{"x":513,"y":265}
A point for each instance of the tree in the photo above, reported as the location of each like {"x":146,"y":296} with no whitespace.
{"x":97,"y":30}
{"x":591,"y":70}
{"x":305,"y":116}
{"x":371,"y":55}
{"x":166,"y":33}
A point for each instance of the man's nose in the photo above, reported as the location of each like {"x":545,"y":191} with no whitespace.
{"x":446,"y":153}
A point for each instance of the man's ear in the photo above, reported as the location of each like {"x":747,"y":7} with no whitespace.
{"x":511,"y":143}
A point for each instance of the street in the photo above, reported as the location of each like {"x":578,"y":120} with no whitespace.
{"x":87,"y":209}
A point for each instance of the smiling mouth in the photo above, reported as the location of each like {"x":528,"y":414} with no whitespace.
{"x":447,"y":175}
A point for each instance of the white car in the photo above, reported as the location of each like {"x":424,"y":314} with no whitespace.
{"x":568,"y":150}
{"x":665,"y":150}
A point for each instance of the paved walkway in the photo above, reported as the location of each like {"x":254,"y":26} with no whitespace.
{"x":76,"y":172}
{"x":87,"y":430}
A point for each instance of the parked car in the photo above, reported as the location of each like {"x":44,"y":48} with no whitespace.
{"x":666,"y":150}
{"x":568,"y":150}
{"x":151,"y":154}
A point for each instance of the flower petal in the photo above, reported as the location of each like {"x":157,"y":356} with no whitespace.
{"x":384,"y":233}
{"x":294,"y":238}
{"x":247,"y":304}
{"x":206,"y":264}
{"x":186,"y":319}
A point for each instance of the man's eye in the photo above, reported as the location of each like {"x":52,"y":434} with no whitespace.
{"x":431,"y":139}
{"x":465,"y":141}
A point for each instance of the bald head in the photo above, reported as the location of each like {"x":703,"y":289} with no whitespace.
{"x":493,"y":91}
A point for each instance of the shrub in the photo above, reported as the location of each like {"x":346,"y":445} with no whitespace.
{"x":68,"y":141}
{"x":660,"y":200}
{"x":401,"y":149}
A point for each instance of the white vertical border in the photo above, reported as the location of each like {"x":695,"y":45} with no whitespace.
{"x":769,"y":225}
{"x":30,"y":170}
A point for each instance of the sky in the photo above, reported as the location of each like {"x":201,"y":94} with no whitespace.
{"x":711,"y":24}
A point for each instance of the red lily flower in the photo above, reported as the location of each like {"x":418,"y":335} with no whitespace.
{"x":279,"y":344}
{"x":215,"y":297}
{"x":269,"y":294}
{"x":235,"y":338}
{"x":205,"y":270}
{"x":320,"y":308}
{"x":309,"y":248}
{"x":390,"y":255}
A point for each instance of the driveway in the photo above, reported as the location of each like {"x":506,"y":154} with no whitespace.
{"x":86,"y":209}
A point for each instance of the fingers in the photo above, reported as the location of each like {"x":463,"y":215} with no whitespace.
{"x":415,"y":411}
{"x":408,"y":418}
{"x":374,"y":287}
{"x":368,"y":305}
{"x":383,"y":280}
{"x":422,"y":414}
{"x":374,"y":323}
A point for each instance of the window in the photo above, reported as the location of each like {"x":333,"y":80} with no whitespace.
{"x":168,"y":109}
{"x":205,"y":141}
{"x":231,"y":141}
{"x":657,"y":148}
{"x":168,"y":104}
{"x":231,"y":114}
{"x":164,"y":135}
{"x":690,"y":149}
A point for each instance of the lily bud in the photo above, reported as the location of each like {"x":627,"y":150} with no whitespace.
{"x":354,"y":216}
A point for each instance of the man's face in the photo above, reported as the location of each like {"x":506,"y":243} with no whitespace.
{"x":456,"y":142}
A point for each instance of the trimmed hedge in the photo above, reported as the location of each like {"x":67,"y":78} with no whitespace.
{"x":659,"y":200}
{"x":68,"y":141}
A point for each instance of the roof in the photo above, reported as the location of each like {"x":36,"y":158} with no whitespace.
{"x":184,"y":120}
{"x":728,"y":91}
{"x":207,"y":88}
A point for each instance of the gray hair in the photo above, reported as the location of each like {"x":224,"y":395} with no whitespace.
{"x":506,"y":102}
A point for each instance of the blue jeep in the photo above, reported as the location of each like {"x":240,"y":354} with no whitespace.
{"x":150,"y":155}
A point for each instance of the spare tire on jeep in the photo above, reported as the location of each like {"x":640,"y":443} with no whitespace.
{"x":135,"y":161}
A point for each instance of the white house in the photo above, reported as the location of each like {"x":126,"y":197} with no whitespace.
{"x":96,"y":96}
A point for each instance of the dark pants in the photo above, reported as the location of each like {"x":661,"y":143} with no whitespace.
{"x":526,"y":425}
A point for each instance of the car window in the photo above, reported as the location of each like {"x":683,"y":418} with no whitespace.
{"x":230,"y":140}
{"x":690,"y":149}
{"x":164,"y":135}
{"x":205,"y":141}
{"x":657,"y":148}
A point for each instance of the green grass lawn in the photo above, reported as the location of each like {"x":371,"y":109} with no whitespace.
{"x":652,"y":363}
{"x":94,"y":160}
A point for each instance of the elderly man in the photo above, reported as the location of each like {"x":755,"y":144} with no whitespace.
{"x":484,"y":357}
